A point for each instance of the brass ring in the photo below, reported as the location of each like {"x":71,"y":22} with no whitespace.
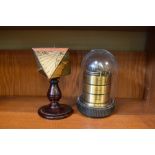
{"x":93,"y":89}
{"x":95,"y":99}
{"x":96,"y":105}
{"x":97,"y":80}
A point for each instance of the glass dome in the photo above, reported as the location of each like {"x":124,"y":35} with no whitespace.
{"x":98,"y":72}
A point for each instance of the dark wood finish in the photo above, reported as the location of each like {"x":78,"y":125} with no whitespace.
{"x":85,"y":28}
{"x":19,"y":76}
{"x":54,"y":110}
{"x":21,"y":112}
{"x":150,"y":72}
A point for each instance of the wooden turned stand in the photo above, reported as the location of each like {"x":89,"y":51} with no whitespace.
{"x":55,"y":110}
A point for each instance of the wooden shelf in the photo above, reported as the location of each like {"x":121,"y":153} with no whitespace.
{"x":21,"y":112}
{"x":135,"y":83}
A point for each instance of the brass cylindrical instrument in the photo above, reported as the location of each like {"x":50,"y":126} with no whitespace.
{"x":96,"y":88}
{"x":97,"y":69}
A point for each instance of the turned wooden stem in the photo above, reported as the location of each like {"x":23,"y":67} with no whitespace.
{"x":54,"y":110}
{"x":54,"y":93}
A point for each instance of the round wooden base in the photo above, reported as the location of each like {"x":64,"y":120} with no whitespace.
{"x":60,"y":112}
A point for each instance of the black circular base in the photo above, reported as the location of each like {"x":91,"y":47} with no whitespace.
{"x":95,"y":112}
{"x":55,"y":113}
